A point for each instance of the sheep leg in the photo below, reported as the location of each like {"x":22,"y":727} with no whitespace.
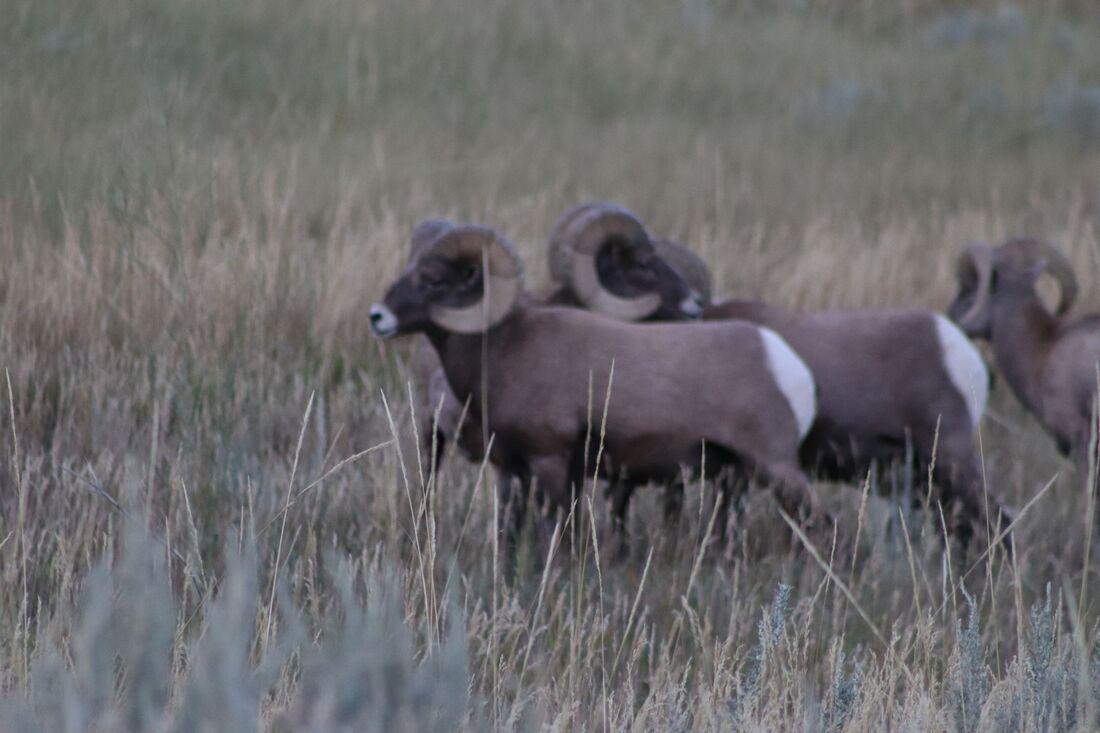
{"x":621,"y":490}
{"x":731,"y":485}
{"x":958,"y":472}
{"x":799,"y":500}
{"x":433,"y":444}
{"x":559,"y":490}
{"x":512,"y":494}
{"x":719,"y":511}
{"x":1084,"y":451}
{"x":1084,"y":437}
{"x":795,"y":495}
{"x":1092,"y":441}
{"x":673,"y":504}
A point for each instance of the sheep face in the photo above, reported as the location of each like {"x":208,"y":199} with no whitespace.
{"x":431,"y":281}
{"x":976,"y":318}
{"x":1009,"y":273}
{"x":632,"y":271}
{"x":604,"y":256}
{"x":444,"y":285}
{"x":687,"y":265}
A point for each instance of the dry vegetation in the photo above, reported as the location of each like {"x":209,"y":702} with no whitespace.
{"x":199,"y":201}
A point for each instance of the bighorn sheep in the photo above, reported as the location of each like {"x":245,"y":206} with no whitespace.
{"x":1049,"y":361}
{"x":733,"y":387}
{"x":885,"y":378}
{"x":602,"y":259}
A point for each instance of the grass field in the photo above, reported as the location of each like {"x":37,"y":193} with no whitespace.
{"x":213,"y":516}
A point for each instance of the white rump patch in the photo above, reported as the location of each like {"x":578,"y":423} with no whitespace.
{"x":965,"y":366}
{"x":794,"y":378}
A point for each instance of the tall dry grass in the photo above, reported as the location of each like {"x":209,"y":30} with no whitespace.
{"x":198,"y":202}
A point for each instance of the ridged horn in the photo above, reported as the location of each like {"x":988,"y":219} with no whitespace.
{"x":559,"y":248}
{"x":976,"y":257}
{"x":425,"y":233}
{"x":575,"y":241}
{"x":502,"y":278}
{"x":1027,"y":251}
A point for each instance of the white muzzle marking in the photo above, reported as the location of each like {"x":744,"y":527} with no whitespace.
{"x":692,"y":306}
{"x":382,"y":321}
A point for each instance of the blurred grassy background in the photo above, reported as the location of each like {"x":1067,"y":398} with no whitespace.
{"x":199,"y":201}
{"x":698,"y":114}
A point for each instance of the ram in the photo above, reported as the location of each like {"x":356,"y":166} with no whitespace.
{"x":1050,"y":362}
{"x":528,"y":369}
{"x":887,"y":380}
{"x":602,"y":259}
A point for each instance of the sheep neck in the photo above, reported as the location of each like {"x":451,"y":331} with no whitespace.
{"x":1023,"y":334}
{"x":755,"y":311}
{"x":461,"y":356}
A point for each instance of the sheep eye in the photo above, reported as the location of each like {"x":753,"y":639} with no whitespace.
{"x":469,"y":274}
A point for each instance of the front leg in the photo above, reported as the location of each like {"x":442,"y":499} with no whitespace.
{"x":732,"y":485}
{"x":552,"y":476}
{"x":1084,"y":451}
{"x":620,"y":490}
{"x":512,"y":493}
{"x":672,"y":505}
{"x":978,"y":509}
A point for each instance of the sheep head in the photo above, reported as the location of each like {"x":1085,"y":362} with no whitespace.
{"x":460,"y":278}
{"x":688,"y":264}
{"x":985,"y":273}
{"x":604,"y":254}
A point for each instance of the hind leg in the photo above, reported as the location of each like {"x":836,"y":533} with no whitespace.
{"x":774,"y":460}
{"x":975,"y":508}
{"x":794,"y":492}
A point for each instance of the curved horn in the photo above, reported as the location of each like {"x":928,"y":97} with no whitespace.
{"x":574,"y":243}
{"x":501,"y":279}
{"x":690,"y":266}
{"x":559,"y":249}
{"x":1026,"y":251}
{"x":979,"y":257}
{"x":425,"y":233}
